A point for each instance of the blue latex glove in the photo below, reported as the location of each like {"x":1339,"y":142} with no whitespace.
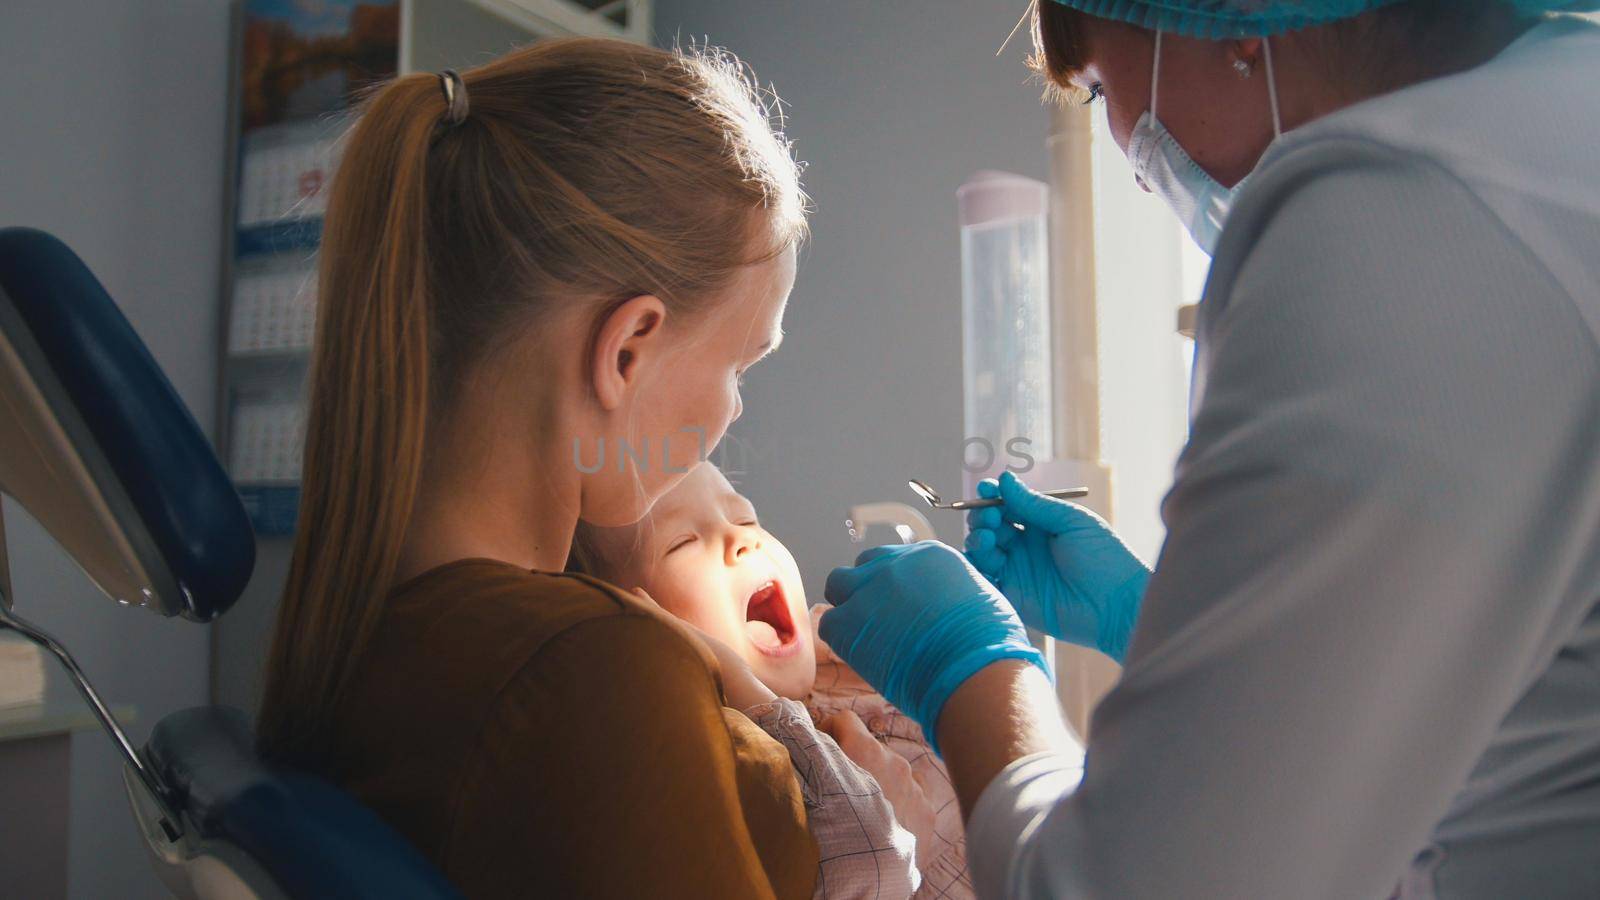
{"x":1062,"y":567}
{"x":916,"y":620}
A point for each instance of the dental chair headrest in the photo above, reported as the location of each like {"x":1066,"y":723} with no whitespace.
{"x":101,"y":450}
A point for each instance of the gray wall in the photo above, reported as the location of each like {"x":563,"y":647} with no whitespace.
{"x":893,"y":103}
{"x":112,"y":118}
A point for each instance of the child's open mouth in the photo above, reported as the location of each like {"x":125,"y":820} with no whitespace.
{"x":768,"y":623}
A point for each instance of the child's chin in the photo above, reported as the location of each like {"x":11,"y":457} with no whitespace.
{"x":792,"y":678}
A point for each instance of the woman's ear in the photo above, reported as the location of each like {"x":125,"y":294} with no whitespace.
{"x":1246,"y":51}
{"x":628,"y":334}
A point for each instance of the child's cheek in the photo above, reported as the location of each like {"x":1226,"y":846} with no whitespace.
{"x":689,"y":599}
{"x":670,"y":592}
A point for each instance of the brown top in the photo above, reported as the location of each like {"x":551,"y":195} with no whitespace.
{"x":540,"y":734}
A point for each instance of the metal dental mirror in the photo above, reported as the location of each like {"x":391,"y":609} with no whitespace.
{"x":932,"y":498}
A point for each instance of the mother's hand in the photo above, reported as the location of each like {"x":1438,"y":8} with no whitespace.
{"x":917,"y":620}
{"x":902,"y":787}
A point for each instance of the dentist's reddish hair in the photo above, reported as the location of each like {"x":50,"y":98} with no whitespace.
{"x":1367,"y":54}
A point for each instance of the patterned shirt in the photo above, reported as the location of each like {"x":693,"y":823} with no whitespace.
{"x":941,"y":856}
{"x":863,"y":853}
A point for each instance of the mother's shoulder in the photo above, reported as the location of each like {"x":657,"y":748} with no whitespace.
{"x":484,"y":621}
{"x":479,"y":647}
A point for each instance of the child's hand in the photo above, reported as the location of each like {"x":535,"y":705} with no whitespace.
{"x":902,"y":787}
{"x":740,"y":685}
{"x":824,"y":652}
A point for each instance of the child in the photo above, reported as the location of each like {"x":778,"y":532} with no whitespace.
{"x":702,"y":555}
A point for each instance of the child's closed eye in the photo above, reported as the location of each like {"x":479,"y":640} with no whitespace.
{"x":679,"y":543}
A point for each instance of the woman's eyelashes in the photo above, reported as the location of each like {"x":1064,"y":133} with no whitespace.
{"x":765,"y":351}
{"x":1097,"y":91}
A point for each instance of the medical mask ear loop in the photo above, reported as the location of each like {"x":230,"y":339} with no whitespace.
{"x":1272,"y":89}
{"x":1155,"y":82}
{"x":1155,"y":78}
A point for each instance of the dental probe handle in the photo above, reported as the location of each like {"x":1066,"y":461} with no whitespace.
{"x":985,"y":502}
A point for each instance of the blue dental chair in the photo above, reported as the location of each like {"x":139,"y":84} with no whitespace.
{"x":97,"y":446}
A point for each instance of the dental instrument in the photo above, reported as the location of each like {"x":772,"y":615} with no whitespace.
{"x":932,"y":498}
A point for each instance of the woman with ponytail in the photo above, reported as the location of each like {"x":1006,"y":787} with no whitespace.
{"x":541,"y":281}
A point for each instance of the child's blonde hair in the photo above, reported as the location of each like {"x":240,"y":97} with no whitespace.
{"x":583,"y":172}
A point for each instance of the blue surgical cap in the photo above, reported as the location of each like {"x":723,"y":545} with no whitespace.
{"x":1219,"y":19}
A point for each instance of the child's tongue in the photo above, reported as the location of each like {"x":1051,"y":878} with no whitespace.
{"x":762,"y":634}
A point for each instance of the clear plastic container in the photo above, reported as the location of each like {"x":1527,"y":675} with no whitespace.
{"x":1005,"y":303}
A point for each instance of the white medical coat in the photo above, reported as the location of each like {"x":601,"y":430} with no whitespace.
{"x":1370,"y":654}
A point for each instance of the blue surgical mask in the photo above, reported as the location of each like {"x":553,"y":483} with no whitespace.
{"x":1164,"y":167}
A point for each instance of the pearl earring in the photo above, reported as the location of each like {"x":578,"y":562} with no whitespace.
{"x":1243,"y":67}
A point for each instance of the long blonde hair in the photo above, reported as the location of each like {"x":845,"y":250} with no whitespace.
{"x":585,"y":171}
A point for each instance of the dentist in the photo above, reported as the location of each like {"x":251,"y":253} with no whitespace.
{"x":1367,"y":662}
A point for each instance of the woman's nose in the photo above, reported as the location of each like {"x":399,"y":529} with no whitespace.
{"x":741,"y":540}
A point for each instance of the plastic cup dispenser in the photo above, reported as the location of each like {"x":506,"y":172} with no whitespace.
{"x":1005,"y":307}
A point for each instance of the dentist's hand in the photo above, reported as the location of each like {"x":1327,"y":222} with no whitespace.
{"x":1059,"y":564}
{"x":916,"y":620}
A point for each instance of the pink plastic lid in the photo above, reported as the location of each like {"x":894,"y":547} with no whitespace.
{"x":991,"y":196}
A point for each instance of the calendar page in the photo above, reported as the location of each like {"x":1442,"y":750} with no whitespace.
{"x":266,"y":443}
{"x":301,"y":65}
{"x":284,"y":174}
{"x":274,"y":307}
